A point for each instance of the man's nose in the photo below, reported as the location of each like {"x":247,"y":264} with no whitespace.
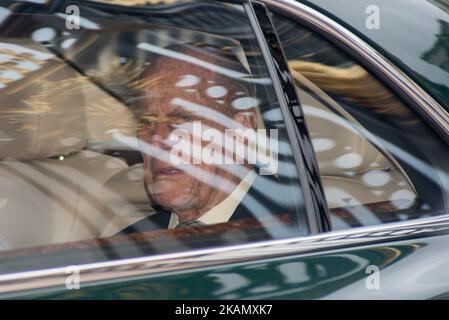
{"x":160,"y":135}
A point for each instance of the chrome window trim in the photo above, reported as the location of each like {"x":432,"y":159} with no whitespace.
{"x":14,"y":284}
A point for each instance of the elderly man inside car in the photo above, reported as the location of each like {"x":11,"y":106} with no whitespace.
{"x":191,"y":99}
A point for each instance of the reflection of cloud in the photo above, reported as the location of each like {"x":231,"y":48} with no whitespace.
{"x":376,"y":178}
{"x":322,"y":144}
{"x":217,"y":91}
{"x":43,"y":34}
{"x":349,"y":161}
{"x":188,"y":80}
{"x":354,"y":83}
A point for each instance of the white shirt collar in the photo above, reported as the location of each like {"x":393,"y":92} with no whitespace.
{"x":225,"y":209}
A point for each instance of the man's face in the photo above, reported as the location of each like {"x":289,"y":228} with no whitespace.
{"x":176,"y":100}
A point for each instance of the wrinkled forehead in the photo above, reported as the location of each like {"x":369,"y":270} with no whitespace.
{"x":170,"y":80}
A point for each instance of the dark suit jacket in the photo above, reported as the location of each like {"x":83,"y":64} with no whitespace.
{"x":254,"y":205}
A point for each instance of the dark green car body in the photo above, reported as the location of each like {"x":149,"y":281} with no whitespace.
{"x":335,"y":274}
{"x":413,"y":260}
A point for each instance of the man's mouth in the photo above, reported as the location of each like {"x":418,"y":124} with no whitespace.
{"x":170,"y":171}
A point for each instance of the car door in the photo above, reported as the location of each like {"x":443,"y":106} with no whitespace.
{"x":94,"y":94}
{"x":322,"y":67}
{"x":366,"y":238}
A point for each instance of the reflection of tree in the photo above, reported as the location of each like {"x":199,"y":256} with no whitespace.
{"x":439,"y":54}
{"x":333,"y":71}
{"x":353,"y":83}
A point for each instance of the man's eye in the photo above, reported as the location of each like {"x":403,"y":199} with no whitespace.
{"x":187,"y":118}
{"x":146,"y":121}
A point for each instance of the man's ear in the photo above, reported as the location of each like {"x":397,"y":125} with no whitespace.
{"x":247,"y":118}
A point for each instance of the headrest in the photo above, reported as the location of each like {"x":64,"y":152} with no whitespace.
{"x":340,"y":149}
{"x":42,"y":112}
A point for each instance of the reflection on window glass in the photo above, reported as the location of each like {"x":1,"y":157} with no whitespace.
{"x":379,"y":161}
{"x":155,"y":132}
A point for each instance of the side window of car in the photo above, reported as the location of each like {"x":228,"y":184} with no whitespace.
{"x":153,"y":133}
{"x":379,"y":161}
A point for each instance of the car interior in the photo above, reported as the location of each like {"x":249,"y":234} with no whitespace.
{"x":67,"y":175}
{"x":70,"y":167}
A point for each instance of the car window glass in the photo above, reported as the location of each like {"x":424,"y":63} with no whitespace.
{"x":138,"y":130}
{"x":379,"y":161}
